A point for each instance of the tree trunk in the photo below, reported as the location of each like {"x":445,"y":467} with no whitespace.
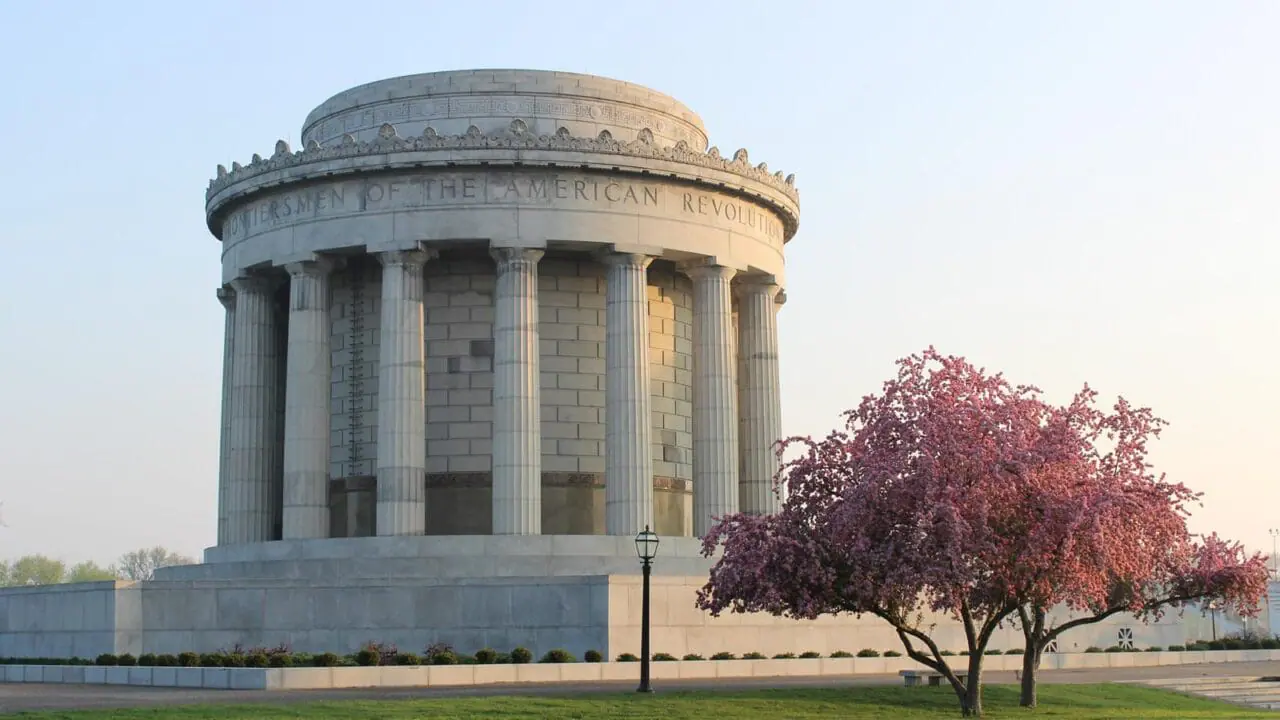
{"x":1030,"y":663}
{"x":971,"y":705}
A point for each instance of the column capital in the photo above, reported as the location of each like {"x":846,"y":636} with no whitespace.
{"x":708,"y":269}
{"x":752,"y":284}
{"x":313,"y":268}
{"x":256,"y":283}
{"x":406,"y":258}
{"x":630,"y":259}
{"x":514,"y":255}
{"x":227,"y":296}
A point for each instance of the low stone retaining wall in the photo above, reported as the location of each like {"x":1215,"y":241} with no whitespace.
{"x":308,"y":678}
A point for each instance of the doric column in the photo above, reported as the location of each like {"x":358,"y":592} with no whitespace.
{"x":517,"y":427}
{"x":254,"y":454}
{"x":715,"y":402}
{"x":306,"y":405}
{"x":628,"y":421}
{"x":402,"y":428}
{"x":227,"y":297}
{"x":759,"y":393}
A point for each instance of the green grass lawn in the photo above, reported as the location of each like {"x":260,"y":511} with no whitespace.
{"x":897,"y":703}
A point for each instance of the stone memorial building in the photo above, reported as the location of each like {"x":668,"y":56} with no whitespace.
{"x":498,"y":302}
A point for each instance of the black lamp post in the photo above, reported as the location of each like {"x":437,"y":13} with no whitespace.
{"x":647,"y":549}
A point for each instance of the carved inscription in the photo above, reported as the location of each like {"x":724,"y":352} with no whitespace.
{"x":499,"y":189}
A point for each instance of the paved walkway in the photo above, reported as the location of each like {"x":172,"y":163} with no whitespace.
{"x":15,"y":697}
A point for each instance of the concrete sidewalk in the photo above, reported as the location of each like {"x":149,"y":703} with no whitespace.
{"x":16,"y":697}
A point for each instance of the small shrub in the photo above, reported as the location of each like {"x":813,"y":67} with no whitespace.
{"x":465,"y":659}
{"x":1270,"y":643}
{"x":892,"y":653}
{"x":558,"y":655}
{"x":164,"y":660}
{"x":628,"y":657}
{"x":946,"y":653}
{"x":1155,"y":648}
{"x":147,"y":660}
{"x":326,"y":660}
{"x":235,"y":658}
{"x":280,"y":660}
{"x":521,"y":656}
{"x":868,"y":653}
{"x":257,"y":660}
{"x":1114,"y":649}
{"x":663,"y":657}
{"x":502,"y":659}
{"x":1015,"y":651}
{"x":693,"y":656}
{"x":408,"y":658}
{"x":486,"y":656}
{"x":785,"y":656}
{"x":189,"y":659}
{"x":439,"y":654}
{"x":591,"y":656}
{"x":1177,"y":648}
{"x":724,"y":656}
{"x":964,"y":653}
{"x":993,"y":651}
{"x":841,"y":654}
{"x":753,"y":656}
{"x":127,"y":660}
{"x":809,"y":655}
{"x":107,"y":659}
{"x":1217,"y":645}
{"x":1093,"y":649}
{"x":1233,"y":644}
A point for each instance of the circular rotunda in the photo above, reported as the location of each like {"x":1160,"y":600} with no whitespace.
{"x":497,"y":302}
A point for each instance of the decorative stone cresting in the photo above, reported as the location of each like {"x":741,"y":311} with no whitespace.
{"x":517,"y":137}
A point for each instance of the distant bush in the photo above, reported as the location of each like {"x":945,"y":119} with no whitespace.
{"x":189,"y":659}
{"x":892,"y":653}
{"x":408,"y":658}
{"x":486,"y":656}
{"x":1015,"y":651}
{"x":809,"y":655}
{"x":628,"y":657}
{"x":326,"y":660}
{"x":993,"y":651}
{"x":1093,"y":649}
{"x":724,"y":656}
{"x":753,"y":655}
{"x":868,"y":653}
{"x":1177,"y":648}
{"x":946,"y":653}
{"x":147,"y":660}
{"x":1155,"y":648}
{"x":558,"y":655}
{"x":663,"y":657}
{"x":127,"y":660}
{"x":257,"y":659}
{"x":841,"y":654}
{"x":784,"y":656}
{"x":280,"y":660}
{"x":1114,"y":649}
{"x":693,"y":656}
{"x":502,"y":658}
{"x":166,"y":660}
{"x":107,"y":659}
{"x":521,"y":656}
{"x":440,"y":654}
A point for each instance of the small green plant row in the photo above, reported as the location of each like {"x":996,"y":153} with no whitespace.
{"x":374,"y":654}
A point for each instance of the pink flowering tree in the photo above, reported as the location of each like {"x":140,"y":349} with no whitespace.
{"x":953,"y":492}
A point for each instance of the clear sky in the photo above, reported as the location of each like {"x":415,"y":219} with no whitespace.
{"x":1066,"y":191}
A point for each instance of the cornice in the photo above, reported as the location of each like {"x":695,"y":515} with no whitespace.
{"x":516,"y":138}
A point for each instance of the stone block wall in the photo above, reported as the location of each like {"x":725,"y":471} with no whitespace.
{"x":355,"y":317}
{"x":458,"y":331}
{"x":72,"y":620}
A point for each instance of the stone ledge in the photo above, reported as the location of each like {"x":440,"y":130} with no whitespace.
{"x":309,"y":678}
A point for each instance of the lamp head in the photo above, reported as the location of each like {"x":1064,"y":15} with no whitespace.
{"x":647,"y":544}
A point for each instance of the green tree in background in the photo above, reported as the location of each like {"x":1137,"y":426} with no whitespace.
{"x":36,"y":570}
{"x":90,"y":571}
{"x":142,"y":564}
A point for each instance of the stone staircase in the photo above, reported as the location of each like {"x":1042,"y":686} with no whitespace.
{"x":1257,"y":692}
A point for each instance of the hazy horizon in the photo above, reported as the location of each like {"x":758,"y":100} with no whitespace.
{"x":1068,"y":193}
